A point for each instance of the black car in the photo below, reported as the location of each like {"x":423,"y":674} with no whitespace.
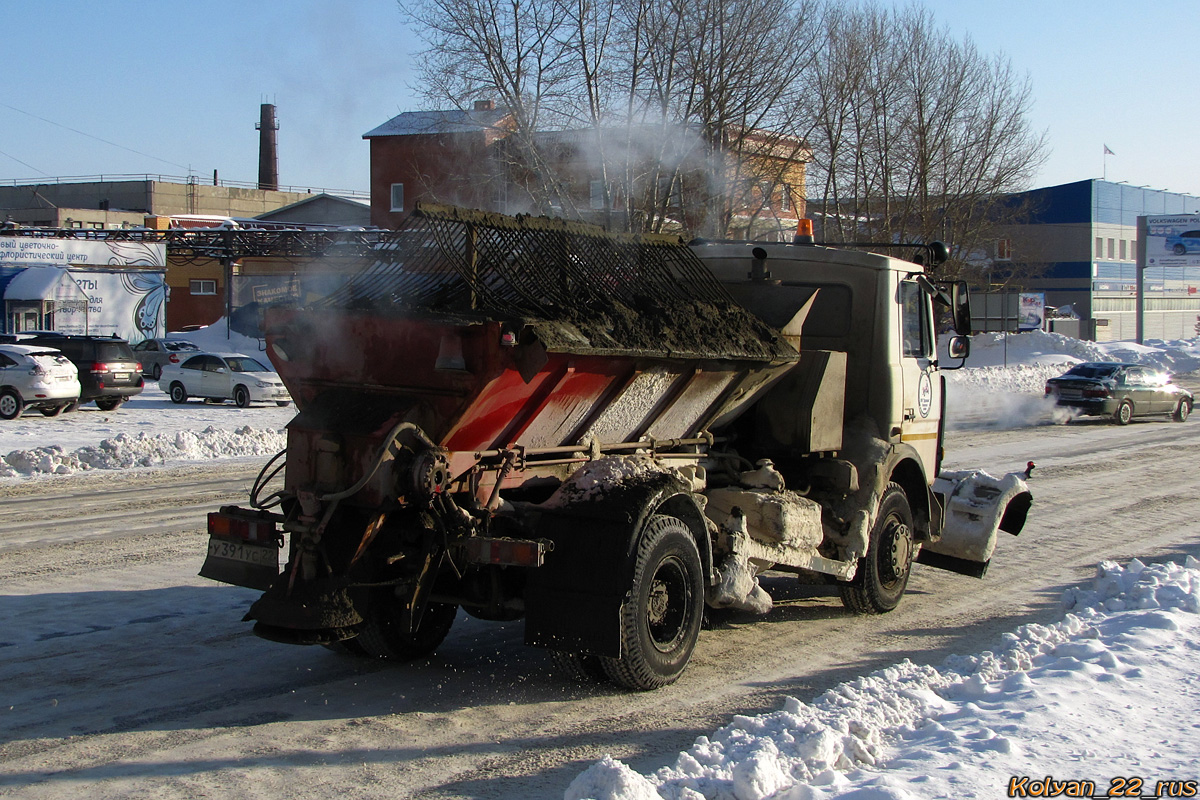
{"x":109,"y":373}
{"x":1120,"y":391}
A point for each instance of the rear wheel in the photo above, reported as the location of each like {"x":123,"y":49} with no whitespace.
{"x":51,"y":411}
{"x":109,"y":403}
{"x":883,"y":574}
{"x":11,"y":404}
{"x":660,"y":623}
{"x":241,"y":396}
{"x":156,"y":371}
{"x":1182,"y":410}
{"x":283,"y":403}
{"x":1124,"y":413}
{"x":179,"y":394}
{"x":579,"y":667}
{"x":382,"y":635}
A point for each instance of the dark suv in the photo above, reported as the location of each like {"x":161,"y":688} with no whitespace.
{"x":108,"y":370}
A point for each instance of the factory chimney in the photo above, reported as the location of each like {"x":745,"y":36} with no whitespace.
{"x":268,"y":161}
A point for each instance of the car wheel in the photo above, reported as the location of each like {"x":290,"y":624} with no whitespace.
{"x":241,"y":396}
{"x":882,"y":575}
{"x":1182,"y":411}
{"x":283,"y":403}
{"x":156,"y":371}
{"x":1179,"y":250}
{"x":11,"y":404}
{"x":71,"y":406}
{"x":178,"y":393}
{"x":51,"y":411}
{"x":1124,"y":413}
{"x":109,"y":403}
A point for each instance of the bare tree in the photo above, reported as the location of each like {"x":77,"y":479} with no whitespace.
{"x":916,"y":136}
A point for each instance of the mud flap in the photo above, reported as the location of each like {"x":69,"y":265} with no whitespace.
{"x":977,"y":506}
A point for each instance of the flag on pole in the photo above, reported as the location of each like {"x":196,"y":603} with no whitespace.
{"x":1108,"y":152}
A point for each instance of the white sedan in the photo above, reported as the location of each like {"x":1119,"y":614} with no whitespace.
{"x":223,"y":376}
{"x":33,"y":376}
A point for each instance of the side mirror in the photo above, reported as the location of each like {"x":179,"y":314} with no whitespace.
{"x":955,"y":295}
{"x":959,"y":347}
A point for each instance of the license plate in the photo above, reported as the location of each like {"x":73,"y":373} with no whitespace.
{"x":241,"y":563}
{"x":1071,"y":393}
{"x":121,"y":376}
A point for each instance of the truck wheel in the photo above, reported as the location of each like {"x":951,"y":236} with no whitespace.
{"x":381,"y":636}
{"x":883,"y":574}
{"x":660,"y":623}
{"x":1124,"y":413}
{"x":579,"y":668}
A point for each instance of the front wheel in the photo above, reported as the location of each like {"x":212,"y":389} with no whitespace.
{"x":1182,"y":410}
{"x":1124,"y":413}
{"x":883,"y":574}
{"x":178,"y":393}
{"x":660,"y":623}
{"x":109,"y":403}
{"x":241,"y":396}
{"x":1179,"y":250}
{"x":11,"y":404}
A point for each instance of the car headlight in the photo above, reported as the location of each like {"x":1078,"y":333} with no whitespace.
{"x":262,"y":384}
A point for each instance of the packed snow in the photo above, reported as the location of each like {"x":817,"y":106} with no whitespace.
{"x":1106,"y":692}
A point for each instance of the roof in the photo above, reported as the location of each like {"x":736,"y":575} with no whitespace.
{"x":427,"y":123}
{"x":40,"y":283}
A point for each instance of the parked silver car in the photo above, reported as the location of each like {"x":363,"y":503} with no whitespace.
{"x":158,"y":353}
{"x":33,"y":376}
{"x":223,"y":376}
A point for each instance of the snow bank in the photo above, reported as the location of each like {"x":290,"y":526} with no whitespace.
{"x":144,"y":450}
{"x":912,"y":731}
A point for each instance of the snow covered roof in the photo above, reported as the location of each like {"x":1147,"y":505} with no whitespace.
{"x":426,"y":123}
{"x":41,"y":283}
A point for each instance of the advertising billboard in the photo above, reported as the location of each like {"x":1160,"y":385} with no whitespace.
{"x":1173,"y":241}
{"x":1032,"y":312}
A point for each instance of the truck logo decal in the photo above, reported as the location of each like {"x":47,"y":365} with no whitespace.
{"x":924,"y":395}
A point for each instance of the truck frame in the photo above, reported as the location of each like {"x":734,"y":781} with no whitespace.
{"x":603,"y":435}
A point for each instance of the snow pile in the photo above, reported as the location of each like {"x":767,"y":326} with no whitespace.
{"x":1050,"y":694}
{"x":144,"y":450}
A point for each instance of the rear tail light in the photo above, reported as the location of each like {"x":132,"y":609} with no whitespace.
{"x":234,"y":527}
{"x":174,"y":359}
{"x":1096,"y":392}
{"x":95,"y":367}
{"x":1049,"y":389}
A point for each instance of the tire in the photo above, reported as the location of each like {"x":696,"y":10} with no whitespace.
{"x":179,"y":394}
{"x":241,"y":396}
{"x":1124,"y":413}
{"x":109,"y":403}
{"x":660,"y":622}
{"x":1179,"y":250}
{"x":283,"y":403}
{"x":1182,"y":410}
{"x":156,"y":371}
{"x":347,"y":647}
{"x":11,"y":404}
{"x":579,"y":668}
{"x":381,"y":636}
{"x":71,"y":406}
{"x":51,"y":411}
{"x":883,"y":573}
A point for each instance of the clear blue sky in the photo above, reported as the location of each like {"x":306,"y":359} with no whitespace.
{"x":181,"y":85}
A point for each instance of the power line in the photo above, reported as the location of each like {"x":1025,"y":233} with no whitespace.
{"x":22,"y":163}
{"x":90,"y":136}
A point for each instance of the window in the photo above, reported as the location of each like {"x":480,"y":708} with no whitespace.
{"x":1099,"y":247}
{"x":202,"y":286}
{"x":785,"y":198}
{"x":1111,"y":250}
{"x":597,"y":193}
{"x":1123,"y":250}
{"x":397,"y":197}
{"x":1004,"y":249}
{"x":914,"y":321}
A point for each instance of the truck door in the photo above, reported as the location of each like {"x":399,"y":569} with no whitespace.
{"x":922,"y":384}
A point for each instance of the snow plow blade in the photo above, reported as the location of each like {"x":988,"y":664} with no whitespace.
{"x":977,"y":506}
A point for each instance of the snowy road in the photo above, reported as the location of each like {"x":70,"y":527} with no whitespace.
{"x":122,"y":674}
